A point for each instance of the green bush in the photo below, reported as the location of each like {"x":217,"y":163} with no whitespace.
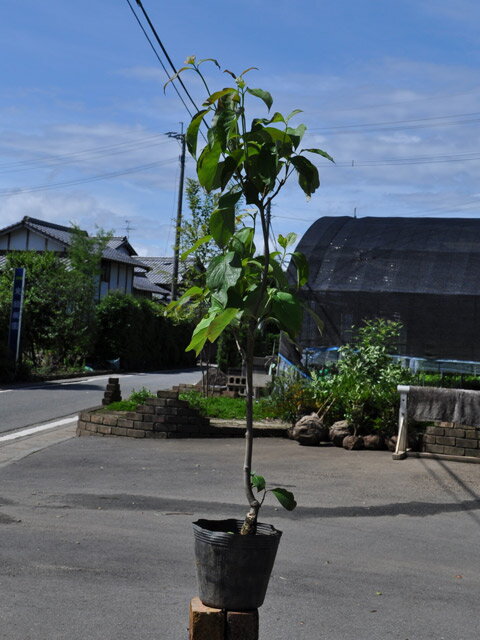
{"x":364,"y":390}
{"x":291,"y":395}
{"x":136,"y":331}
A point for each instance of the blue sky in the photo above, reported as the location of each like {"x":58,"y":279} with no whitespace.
{"x":390,"y":88}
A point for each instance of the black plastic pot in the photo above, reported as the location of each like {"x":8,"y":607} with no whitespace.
{"x":233,"y":570}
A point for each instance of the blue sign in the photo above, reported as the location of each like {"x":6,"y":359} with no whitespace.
{"x":15,"y":328}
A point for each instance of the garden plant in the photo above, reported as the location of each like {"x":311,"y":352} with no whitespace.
{"x":249,"y":162}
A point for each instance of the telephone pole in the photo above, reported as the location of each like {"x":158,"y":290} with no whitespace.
{"x":176,"y":249}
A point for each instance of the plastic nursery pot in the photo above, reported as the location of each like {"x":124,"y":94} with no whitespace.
{"x":233,"y":570}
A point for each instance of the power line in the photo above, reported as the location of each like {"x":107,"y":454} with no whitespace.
{"x":392,"y":122}
{"x":71,"y":183}
{"x":92,"y":154}
{"x":160,"y":60}
{"x":165,"y":53}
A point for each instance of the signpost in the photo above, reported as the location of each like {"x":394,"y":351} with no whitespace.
{"x":15,"y":328}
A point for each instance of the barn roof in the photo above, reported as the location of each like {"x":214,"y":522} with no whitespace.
{"x":380,"y":254}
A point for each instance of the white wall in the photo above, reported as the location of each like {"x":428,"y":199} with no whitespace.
{"x":24,"y":239}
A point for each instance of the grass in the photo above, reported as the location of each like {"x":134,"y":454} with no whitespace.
{"x":228,"y":408}
{"x":132,"y":402}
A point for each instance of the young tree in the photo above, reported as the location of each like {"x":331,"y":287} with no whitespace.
{"x":250,"y":161}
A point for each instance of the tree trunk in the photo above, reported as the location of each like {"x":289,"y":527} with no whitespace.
{"x":250,"y":525}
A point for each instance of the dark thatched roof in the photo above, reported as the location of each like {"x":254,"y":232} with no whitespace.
{"x":408,"y":255}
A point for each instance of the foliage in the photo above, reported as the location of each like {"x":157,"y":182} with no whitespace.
{"x":291,"y":395}
{"x":195,"y":226}
{"x":364,"y":391}
{"x":58,"y":312}
{"x":250,"y":162}
{"x":132,"y":402}
{"x":228,"y":408}
{"x":136,"y":331}
{"x":285,"y":498}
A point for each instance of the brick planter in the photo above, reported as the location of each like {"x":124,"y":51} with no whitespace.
{"x":447,"y":438}
{"x":165,"y":416}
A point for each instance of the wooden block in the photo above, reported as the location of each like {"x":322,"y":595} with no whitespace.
{"x":206,"y":623}
{"x":242,"y":625}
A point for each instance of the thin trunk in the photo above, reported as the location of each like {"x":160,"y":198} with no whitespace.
{"x":250,"y":524}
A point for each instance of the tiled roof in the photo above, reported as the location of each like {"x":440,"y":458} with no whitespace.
{"x":142,"y":283}
{"x":117,"y":241}
{"x":161,"y":269}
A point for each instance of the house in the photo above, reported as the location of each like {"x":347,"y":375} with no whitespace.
{"x":120,"y":270}
{"x":160,"y":272}
{"x":422,"y":272}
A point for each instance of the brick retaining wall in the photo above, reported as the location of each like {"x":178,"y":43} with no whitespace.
{"x":450,"y":439}
{"x":165,"y":416}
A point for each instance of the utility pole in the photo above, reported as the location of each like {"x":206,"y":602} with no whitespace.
{"x":176,"y":250}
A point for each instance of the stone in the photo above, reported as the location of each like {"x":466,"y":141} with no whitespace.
{"x":374,"y":441}
{"x":310,"y":431}
{"x":353,"y":443}
{"x":206,"y":623}
{"x":338,"y":432}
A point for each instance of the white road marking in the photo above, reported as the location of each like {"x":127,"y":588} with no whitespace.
{"x":43,"y":427}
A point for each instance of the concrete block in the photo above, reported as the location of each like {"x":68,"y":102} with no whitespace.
{"x":434,"y":448}
{"x":205,"y":623}
{"x":242,"y":625}
{"x":111,"y":421}
{"x":448,"y":441}
{"x":435,"y":431}
{"x":167,"y":394}
{"x":469,"y":443}
{"x":123,"y":422}
{"x":97,"y":419}
{"x":104,"y":429}
{"x":454,"y":451}
{"x":470,"y":433}
{"x":136,"y":433}
{"x":456,"y":433}
{"x":145,"y":408}
{"x":473,"y":453}
{"x":119,"y":431}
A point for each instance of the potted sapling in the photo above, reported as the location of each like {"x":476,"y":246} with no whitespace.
{"x":244,"y":162}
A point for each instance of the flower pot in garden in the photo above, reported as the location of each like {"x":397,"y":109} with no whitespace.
{"x":233,"y":570}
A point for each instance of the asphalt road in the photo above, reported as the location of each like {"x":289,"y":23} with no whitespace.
{"x":26,"y":405}
{"x":97,"y":541}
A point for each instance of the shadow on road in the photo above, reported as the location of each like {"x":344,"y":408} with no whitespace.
{"x":191,"y":507}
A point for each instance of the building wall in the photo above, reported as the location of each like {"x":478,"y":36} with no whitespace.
{"x":26,"y":240}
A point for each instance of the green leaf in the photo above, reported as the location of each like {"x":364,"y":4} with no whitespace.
{"x":286,"y":498}
{"x":307,"y":174}
{"x":320,"y":152}
{"x":223,"y":271}
{"x":210,"y":328}
{"x":294,"y":113}
{"x":207,"y":165}
{"x":192,"y":131}
{"x":258,"y":482}
{"x":296,"y":134}
{"x":224,"y":126}
{"x":301,"y":265}
{"x":218,"y":94}
{"x":288,"y":240}
{"x":263,"y":95}
{"x":195,"y":246}
{"x":287,"y":311}
{"x":222,"y":226}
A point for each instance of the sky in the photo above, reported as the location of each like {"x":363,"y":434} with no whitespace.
{"x":389,"y":88}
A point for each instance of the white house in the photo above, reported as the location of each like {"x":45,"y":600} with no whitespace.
{"x":118,"y":266}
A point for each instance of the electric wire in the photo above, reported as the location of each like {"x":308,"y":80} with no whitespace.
{"x":93,"y":153}
{"x":157,"y":38}
{"x":160,"y":61}
{"x":69,"y":183}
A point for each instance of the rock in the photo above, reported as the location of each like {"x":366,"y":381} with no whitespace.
{"x":309,"y":431}
{"x":353,"y":443}
{"x":374,"y":441}
{"x":338,"y":431}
